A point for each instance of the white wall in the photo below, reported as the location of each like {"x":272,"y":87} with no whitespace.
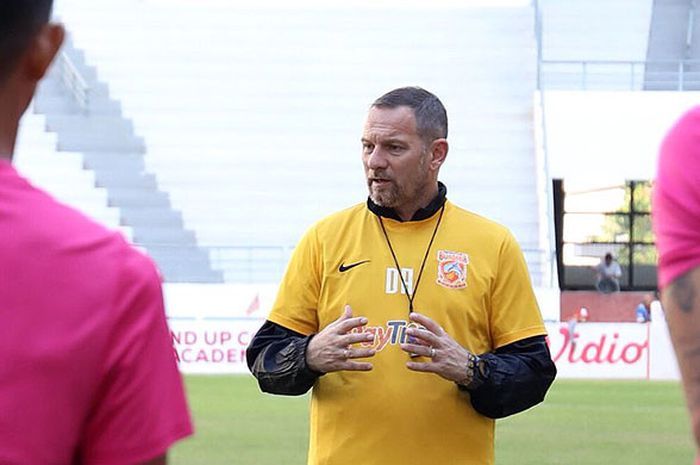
{"x":610,"y":136}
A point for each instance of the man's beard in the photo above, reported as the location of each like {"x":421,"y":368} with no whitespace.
{"x":385,"y":196}
{"x":392,"y":195}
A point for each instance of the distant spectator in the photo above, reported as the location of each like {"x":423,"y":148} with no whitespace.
{"x":583,"y":315}
{"x":656,"y":311}
{"x":578,"y":317}
{"x":608,"y":275}
{"x":643,"y":311}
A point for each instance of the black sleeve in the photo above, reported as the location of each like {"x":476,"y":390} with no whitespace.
{"x":277,"y":358}
{"x":518,"y":377}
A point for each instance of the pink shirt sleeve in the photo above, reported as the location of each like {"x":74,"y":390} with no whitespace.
{"x":141,"y":408}
{"x":676,"y":199}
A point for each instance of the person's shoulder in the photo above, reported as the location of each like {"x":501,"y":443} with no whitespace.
{"x":340,"y":219}
{"x":479,"y":224}
{"x":45,"y":218}
{"x":136,"y":265}
{"x":65,"y":234}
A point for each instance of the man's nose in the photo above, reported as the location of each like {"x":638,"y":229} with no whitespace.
{"x":376,"y":159}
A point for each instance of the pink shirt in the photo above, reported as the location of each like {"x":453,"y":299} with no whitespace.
{"x":676,"y":199}
{"x":87,"y":368}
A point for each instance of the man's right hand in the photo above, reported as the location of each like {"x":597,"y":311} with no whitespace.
{"x":330,"y":350}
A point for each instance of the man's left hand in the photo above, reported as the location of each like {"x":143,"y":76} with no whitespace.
{"x":448,"y":359}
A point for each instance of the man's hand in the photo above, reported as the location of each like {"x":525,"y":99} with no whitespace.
{"x":448,"y":359}
{"x":330,"y":350}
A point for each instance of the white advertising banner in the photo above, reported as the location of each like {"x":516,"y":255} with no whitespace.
{"x":600,"y":350}
{"x":212,"y":325}
{"x":613,"y":350}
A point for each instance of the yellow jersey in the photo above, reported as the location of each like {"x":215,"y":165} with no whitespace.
{"x":475,"y":284}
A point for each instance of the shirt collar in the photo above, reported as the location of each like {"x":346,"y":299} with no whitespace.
{"x":421,"y":214}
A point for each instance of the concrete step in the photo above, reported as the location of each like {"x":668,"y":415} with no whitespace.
{"x":129,"y":197}
{"x":112,"y":179}
{"x":65,"y":105}
{"x":110,"y":161}
{"x":149,"y":216}
{"x":183,"y":263}
{"x":88,"y":73}
{"x":78,"y":141}
{"x":53,"y":87}
{"x":162,"y":235}
{"x":114,"y":125}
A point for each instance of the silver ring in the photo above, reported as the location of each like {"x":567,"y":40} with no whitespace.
{"x":432,"y":352}
{"x":346,"y":354}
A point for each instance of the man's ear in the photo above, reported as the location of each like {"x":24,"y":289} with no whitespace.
{"x":43,"y":50}
{"x":438,"y":153}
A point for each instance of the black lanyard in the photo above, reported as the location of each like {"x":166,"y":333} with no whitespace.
{"x":411,"y":295}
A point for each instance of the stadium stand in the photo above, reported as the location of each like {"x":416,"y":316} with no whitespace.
{"x":595,"y":44}
{"x":61,"y":173}
{"x":251,"y":118}
{"x":596,"y":29}
{"x":674,"y":47}
{"x":86,"y":119}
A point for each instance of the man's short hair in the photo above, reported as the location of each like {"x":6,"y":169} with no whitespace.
{"x":20,"y":20}
{"x":430,"y":114}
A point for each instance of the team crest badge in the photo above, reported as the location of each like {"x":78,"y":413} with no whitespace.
{"x":452,"y":269}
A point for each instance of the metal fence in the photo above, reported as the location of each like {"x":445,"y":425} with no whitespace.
{"x":683,"y":75}
{"x":266,"y":264}
{"x":547,"y":256}
{"x":250,"y":264}
{"x":668,"y":75}
{"x":74,"y":82}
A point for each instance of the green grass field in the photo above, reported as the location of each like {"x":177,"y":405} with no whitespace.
{"x":580,"y":423}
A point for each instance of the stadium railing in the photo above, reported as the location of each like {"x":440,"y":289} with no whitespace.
{"x":691,"y":28}
{"x":538,"y":39}
{"x":75,"y":84}
{"x":544,"y":184}
{"x":672,"y":75}
{"x":266,"y":264}
{"x":239,"y":264}
{"x":545,"y":188}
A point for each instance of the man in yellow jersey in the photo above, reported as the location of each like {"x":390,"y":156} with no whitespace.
{"x":413,"y":320}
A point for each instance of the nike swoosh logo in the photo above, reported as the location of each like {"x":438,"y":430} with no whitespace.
{"x":343,"y":267}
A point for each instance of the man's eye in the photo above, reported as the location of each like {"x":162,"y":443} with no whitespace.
{"x":367,"y":147}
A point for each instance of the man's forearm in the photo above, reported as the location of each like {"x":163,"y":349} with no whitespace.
{"x":277,"y":358}
{"x":681,"y":303}
{"x":519,"y":376}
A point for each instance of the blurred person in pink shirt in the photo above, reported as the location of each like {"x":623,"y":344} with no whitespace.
{"x":88,"y":374}
{"x":676,"y":219}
